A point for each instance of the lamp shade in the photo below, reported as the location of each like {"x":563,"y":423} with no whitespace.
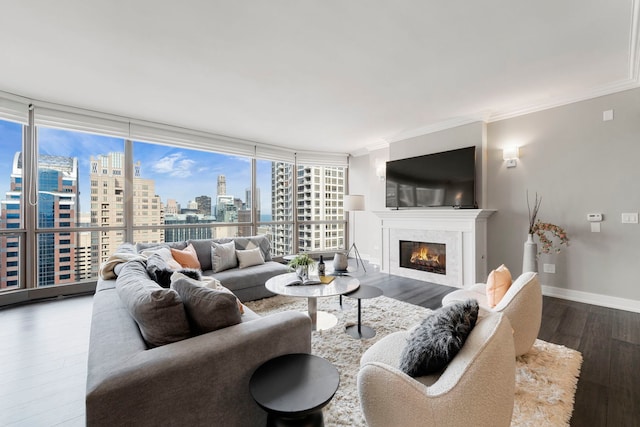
{"x":510,"y":153}
{"x":353,"y":202}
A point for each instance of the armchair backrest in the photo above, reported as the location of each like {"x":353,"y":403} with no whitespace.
{"x":476,"y":388}
{"x":523,"y":306}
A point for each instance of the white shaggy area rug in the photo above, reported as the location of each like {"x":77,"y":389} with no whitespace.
{"x":546,"y":377}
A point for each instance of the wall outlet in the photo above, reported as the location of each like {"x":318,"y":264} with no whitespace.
{"x":549,"y":268}
{"x":630,"y":218}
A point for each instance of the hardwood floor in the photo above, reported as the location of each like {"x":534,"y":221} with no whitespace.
{"x":43,"y":348}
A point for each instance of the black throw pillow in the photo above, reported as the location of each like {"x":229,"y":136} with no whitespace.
{"x":162,"y":276}
{"x":439,"y":337}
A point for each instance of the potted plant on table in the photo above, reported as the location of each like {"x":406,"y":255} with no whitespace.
{"x":301,"y":263}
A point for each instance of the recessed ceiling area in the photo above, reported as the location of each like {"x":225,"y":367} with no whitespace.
{"x":335,"y":75}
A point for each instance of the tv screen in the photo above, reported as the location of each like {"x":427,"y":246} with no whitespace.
{"x":441,"y":179}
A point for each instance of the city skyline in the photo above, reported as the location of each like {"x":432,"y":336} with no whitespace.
{"x":173,"y":169}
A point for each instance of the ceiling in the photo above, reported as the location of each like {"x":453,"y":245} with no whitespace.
{"x":335,"y":75}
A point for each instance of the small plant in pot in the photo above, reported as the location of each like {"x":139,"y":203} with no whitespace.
{"x":301,"y":263}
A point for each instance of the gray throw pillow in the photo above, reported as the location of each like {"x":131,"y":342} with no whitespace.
{"x":203,"y":251}
{"x":249,"y":257}
{"x":250,"y":242}
{"x":158,"y":312}
{"x":207,"y":309}
{"x":223,"y":256}
{"x":153,"y":246}
{"x":439,"y":337}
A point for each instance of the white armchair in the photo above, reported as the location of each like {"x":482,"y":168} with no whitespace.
{"x":476,"y":389}
{"x":522,"y":304}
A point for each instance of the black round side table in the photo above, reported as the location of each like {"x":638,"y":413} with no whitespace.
{"x":294,"y":388}
{"x":360,"y":331}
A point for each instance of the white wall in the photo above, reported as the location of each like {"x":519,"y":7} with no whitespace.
{"x":577,"y":162}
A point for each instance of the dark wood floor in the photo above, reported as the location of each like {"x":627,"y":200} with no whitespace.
{"x":43,"y":351}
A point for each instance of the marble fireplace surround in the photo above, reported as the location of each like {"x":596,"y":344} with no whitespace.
{"x":463,"y":231}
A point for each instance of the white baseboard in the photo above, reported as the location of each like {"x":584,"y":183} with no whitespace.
{"x":569,"y":294}
{"x":591,"y":298}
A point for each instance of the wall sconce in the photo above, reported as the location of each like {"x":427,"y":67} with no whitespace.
{"x":511,"y":155}
{"x":381,"y":170}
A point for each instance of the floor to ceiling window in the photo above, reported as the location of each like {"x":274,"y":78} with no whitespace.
{"x":70,"y":199}
{"x":76,"y":185}
{"x":196,"y":194}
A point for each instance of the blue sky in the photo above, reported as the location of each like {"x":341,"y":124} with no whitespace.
{"x":178,"y":173}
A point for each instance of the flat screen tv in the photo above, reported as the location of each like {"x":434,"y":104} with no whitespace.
{"x":440,"y":179}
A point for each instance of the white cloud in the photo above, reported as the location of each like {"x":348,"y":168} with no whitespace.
{"x":175,"y":165}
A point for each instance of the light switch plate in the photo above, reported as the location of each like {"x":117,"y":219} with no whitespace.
{"x":630,"y":218}
{"x":549,"y":268}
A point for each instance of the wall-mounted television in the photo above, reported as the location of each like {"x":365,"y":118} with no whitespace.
{"x":447,"y":178}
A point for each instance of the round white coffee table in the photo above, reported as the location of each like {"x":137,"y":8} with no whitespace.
{"x":320,"y":320}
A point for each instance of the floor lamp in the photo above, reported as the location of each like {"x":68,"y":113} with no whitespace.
{"x":354,"y":202}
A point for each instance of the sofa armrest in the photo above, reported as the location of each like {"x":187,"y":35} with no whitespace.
{"x":197,"y":381}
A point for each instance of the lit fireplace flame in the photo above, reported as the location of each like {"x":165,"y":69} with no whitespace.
{"x":423,"y":255}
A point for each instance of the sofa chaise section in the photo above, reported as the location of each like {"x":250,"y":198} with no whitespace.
{"x":202,"y":380}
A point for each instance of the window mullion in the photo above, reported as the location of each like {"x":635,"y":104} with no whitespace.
{"x":128,"y":190}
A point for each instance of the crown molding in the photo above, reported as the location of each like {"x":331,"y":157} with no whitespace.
{"x":438,"y":126}
{"x":607,"y":89}
{"x":379,"y":146}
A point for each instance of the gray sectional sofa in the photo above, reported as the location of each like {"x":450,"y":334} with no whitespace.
{"x":196,"y":380}
{"x":246,"y":283}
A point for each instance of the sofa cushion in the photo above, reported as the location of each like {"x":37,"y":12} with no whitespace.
{"x":261,"y":241}
{"x":235,"y":278}
{"x":207,"y":309}
{"x":186,"y":257}
{"x":223,"y":256}
{"x":159,"y":312}
{"x":249,"y":257}
{"x":146,"y":246}
{"x":439,"y":337}
{"x":213,"y":283}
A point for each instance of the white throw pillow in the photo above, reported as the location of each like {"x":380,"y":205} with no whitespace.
{"x":250,"y":257}
{"x":165,"y":254}
{"x":223,"y":256}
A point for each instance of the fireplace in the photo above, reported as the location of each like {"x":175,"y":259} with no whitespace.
{"x":423,"y":256}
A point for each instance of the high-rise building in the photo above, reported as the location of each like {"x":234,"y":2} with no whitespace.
{"x":222,"y":186}
{"x":187,"y":233}
{"x":172,"y":208}
{"x":56,"y":205}
{"x":204,"y":205}
{"x":282,"y":179}
{"x":244,"y":213}
{"x":319,"y":192}
{"x":107,"y":205}
{"x":10,"y":218}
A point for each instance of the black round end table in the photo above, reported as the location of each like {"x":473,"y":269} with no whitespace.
{"x":361,"y":331}
{"x":294,"y":388}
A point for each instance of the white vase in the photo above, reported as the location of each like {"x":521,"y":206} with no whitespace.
{"x":530,"y":256}
{"x":340,"y":261}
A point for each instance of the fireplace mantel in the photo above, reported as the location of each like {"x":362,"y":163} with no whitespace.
{"x":464,"y":231}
